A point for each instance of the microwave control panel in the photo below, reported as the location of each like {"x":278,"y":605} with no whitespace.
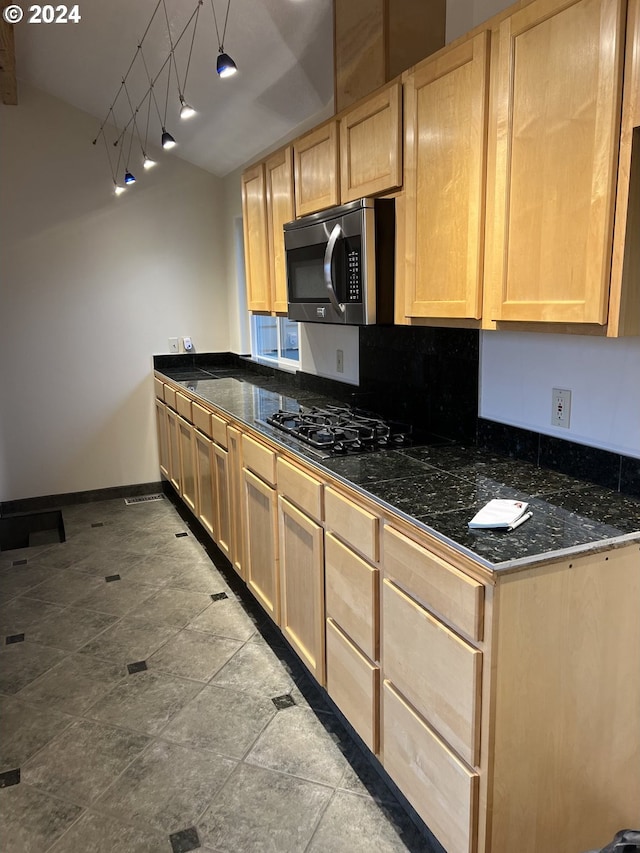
{"x":354,"y":286}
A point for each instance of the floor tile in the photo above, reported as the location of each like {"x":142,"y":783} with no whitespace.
{"x":255,"y":669}
{"x":353,"y":824}
{"x":17,"y":579}
{"x":194,"y":654}
{"x":74,"y":684}
{"x":108,"y":561}
{"x":173,"y":607}
{"x":117,"y":598}
{"x":168,"y":786}
{"x":361,"y":777}
{"x":296,"y":742}
{"x":83,"y":761}
{"x":221,"y":720}
{"x":22,"y":663}
{"x":71,"y":629}
{"x":259,"y":810}
{"x":129,"y":639}
{"x":154,"y":569}
{"x":25,"y":729}
{"x":65,"y":587}
{"x":30,"y":820}
{"x":144,"y":701}
{"x":94,"y":833}
{"x":64,"y":555}
{"x":225,"y":618}
{"x":23,"y":613}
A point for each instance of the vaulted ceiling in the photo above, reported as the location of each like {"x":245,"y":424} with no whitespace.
{"x":283,"y":50}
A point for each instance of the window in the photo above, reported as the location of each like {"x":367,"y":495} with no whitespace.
{"x":275,"y":339}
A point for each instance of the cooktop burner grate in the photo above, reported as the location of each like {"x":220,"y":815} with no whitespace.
{"x":339,"y":430}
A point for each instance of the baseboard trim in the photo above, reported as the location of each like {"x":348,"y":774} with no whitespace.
{"x":45,"y":502}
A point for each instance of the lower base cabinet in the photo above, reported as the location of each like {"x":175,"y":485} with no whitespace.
{"x":261,"y":572}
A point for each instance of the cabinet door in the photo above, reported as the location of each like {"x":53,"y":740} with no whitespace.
{"x":187,"y":464}
{"x":163,"y":438}
{"x":205,"y":482}
{"x":256,"y":252}
{"x":554,"y":137}
{"x":261,"y":570}
{"x":302,"y":586}
{"x":445,"y":164}
{"x":280,"y":209}
{"x":371,"y":146}
{"x":316,"y":169}
{"x":174,"y":451}
{"x":235,"y":500}
{"x":222,"y":525}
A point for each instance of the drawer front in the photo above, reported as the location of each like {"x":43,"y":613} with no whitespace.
{"x":301,"y":489}
{"x":202,"y":419}
{"x":219,"y":431}
{"x":183,"y":405}
{"x":352,"y":595}
{"x":439,"y":673}
{"x":259,"y":459}
{"x":353,"y":682}
{"x":438,"y":785}
{"x":169,"y":396}
{"x":354,"y":525}
{"x":158,"y":387}
{"x":450,"y":593}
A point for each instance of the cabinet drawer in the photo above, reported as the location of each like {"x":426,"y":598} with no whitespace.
{"x":169,"y":396}
{"x":259,"y":459}
{"x":219,"y":430}
{"x":183,"y":405}
{"x":438,"y":785}
{"x":355,"y":525}
{"x":439,"y":673}
{"x":352,"y":595}
{"x":301,"y":489}
{"x":158,"y":387}
{"x":440,"y":587}
{"x":202,"y":419}
{"x":353,"y":682}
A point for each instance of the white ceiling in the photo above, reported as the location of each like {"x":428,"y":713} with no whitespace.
{"x":283,"y":50}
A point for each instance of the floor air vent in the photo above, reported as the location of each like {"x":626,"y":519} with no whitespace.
{"x":143,"y":499}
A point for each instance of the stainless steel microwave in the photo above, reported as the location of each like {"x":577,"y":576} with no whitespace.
{"x":340,"y":264}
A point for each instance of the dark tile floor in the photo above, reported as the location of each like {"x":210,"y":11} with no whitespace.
{"x":145,"y":707}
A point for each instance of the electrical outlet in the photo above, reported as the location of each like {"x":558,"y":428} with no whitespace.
{"x":173,"y":345}
{"x":561,"y":407}
{"x":340,"y":361}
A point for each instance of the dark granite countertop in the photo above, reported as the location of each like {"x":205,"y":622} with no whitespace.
{"x":439,"y":486}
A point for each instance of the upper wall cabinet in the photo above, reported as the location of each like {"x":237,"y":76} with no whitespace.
{"x":371,"y":145}
{"x":256,"y":251}
{"x":280,"y":209}
{"x":317,"y":184}
{"x":440,"y":235}
{"x":553,"y":141}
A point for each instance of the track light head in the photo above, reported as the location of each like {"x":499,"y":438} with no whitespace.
{"x":225,"y":66}
{"x":186,"y":110}
{"x":129,"y":178}
{"x":167,"y":140}
{"x":118,"y":190}
{"x":148,"y":163}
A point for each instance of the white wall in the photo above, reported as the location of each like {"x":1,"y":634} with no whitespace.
{"x":91,"y":287}
{"x":519,"y":371}
{"x":318,"y":345}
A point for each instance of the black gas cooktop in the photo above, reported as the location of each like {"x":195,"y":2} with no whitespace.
{"x":340,"y":430}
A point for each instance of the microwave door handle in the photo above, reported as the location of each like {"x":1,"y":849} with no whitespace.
{"x":328,"y":263}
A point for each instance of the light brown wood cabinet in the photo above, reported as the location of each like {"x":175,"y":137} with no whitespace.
{"x":280,"y":209}
{"x":440,"y":236}
{"x":371,"y":145}
{"x":163,"y":438}
{"x":553,"y":136}
{"x":236,"y":502}
{"x":187,"y":464}
{"x":261,"y":570}
{"x":256,"y":246}
{"x":206,"y":491}
{"x":173,"y":439}
{"x":223,"y":520}
{"x":316,"y":169}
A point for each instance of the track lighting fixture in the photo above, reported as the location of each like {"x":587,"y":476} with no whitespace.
{"x":118,"y":190}
{"x":186,"y":110}
{"x":129,"y":178}
{"x":225,"y":66}
{"x":147,"y":163}
{"x":167,"y":140}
